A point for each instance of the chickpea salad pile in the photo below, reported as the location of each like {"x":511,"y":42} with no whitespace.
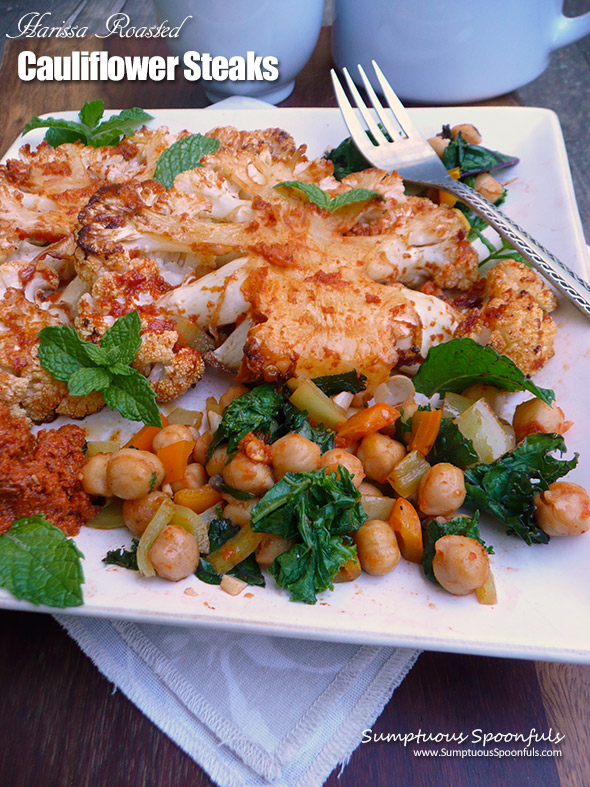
{"x":318,"y":481}
{"x":375,"y":430}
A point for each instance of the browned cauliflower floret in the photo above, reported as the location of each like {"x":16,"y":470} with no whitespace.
{"x":23,"y":380}
{"x":511,"y":276}
{"x":513,"y":316}
{"x":42,"y":192}
{"x":171,"y":367}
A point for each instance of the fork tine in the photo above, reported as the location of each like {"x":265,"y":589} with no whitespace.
{"x":373,"y":127}
{"x":357,"y":132}
{"x":396,"y":105}
{"x":392,"y":130}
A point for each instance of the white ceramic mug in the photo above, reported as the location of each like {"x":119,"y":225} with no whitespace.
{"x":286,"y":29}
{"x":439,"y":52}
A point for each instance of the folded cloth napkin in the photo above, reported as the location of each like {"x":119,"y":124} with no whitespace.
{"x":249,"y":709}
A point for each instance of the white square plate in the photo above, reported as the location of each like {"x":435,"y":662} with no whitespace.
{"x":544,"y":591}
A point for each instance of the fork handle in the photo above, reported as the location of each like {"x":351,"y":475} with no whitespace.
{"x":568,"y":282}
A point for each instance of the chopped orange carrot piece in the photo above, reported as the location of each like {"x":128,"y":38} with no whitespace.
{"x":198,"y":500}
{"x":425,"y":428}
{"x":174,"y":457}
{"x":365,"y":422}
{"x":405,"y":523}
{"x":444,"y":198}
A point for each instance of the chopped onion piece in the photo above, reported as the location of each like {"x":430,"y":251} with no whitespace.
{"x":194,"y":335}
{"x":235,"y":549}
{"x":109,"y":517}
{"x":214,"y":413}
{"x":157,"y":523}
{"x":454,"y":404}
{"x":320,"y":408}
{"x":193,"y":524}
{"x":395,"y":391}
{"x":185,"y":417}
{"x":343,"y":399}
{"x":232,"y":585}
{"x":486,"y":594}
{"x":101,"y":447}
{"x":377,"y":507}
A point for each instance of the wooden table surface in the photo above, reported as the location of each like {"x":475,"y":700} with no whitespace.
{"x":62,"y":724}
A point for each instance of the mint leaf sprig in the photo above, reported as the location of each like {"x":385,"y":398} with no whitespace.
{"x":461,"y":362}
{"x":88,"y":367}
{"x":89,"y":130}
{"x":38,"y":563}
{"x":184,"y":154}
{"x":323,"y":200}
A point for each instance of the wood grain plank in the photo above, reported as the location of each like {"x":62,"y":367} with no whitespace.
{"x":62,"y":724}
{"x":565,"y":691}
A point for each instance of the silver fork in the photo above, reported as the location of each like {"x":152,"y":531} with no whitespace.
{"x":412,"y":157}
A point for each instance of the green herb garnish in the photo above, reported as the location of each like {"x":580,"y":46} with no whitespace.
{"x":459,"y":526}
{"x":322,"y":199}
{"x":451,"y":446}
{"x":182,"y":155}
{"x":88,"y":367}
{"x":347,"y":158}
{"x":320,"y":509}
{"x":88,"y":130}
{"x":473,"y":159}
{"x":239,"y":494}
{"x":254,"y":411}
{"x":332,"y":384}
{"x":460,"y":363}
{"x":506,"y":488}
{"x":126,"y":558}
{"x":40,"y":564}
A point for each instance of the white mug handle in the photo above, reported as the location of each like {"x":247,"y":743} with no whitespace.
{"x":569,"y":29}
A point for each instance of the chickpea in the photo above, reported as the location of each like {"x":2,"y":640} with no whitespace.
{"x":138,"y":513}
{"x":294,"y":453}
{"x":379,"y":455}
{"x":94,"y":476}
{"x":489,"y":188}
{"x":441,"y":490}
{"x":239,"y":510}
{"x":271,"y":547}
{"x":132,"y":474}
{"x":460,"y":564}
{"x":201,"y":446}
{"x":563,"y":510}
{"x":232,"y":393}
{"x":218,"y":461}
{"x":174,"y":554}
{"x":468,"y":131}
{"x":370,"y":490}
{"x":195,"y":476}
{"x":171,"y":434}
{"x":534,"y":416}
{"x":339,"y":456}
{"x":438,"y":144}
{"x":242,"y":473}
{"x":377,"y":547}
